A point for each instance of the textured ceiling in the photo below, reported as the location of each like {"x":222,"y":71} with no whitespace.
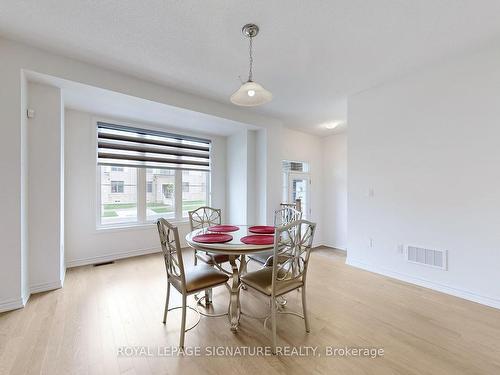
{"x":310,"y":54}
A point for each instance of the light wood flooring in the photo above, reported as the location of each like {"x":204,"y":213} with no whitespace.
{"x":79,"y":329}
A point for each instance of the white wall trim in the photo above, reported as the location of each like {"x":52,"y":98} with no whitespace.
{"x":110,"y":257}
{"x":12,"y":304}
{"x":44,"y":287}
{"x":327,"y":244}
{"x":461,"y":293}
{"x":18,"y":303}
{"x":63,"y":277}
{"x":317,"y":244}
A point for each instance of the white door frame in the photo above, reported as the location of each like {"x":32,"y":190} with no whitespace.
{"x":301,"y":176}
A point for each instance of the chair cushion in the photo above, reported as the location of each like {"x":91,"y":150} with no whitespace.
{"x":209,"y":258}
{"x":262,"y":257}
{"x":200,"y":277}
{"x":262,"y":280}
{"x":267,"y":258}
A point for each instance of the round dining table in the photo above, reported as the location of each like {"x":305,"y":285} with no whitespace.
{"x":235,"y":249}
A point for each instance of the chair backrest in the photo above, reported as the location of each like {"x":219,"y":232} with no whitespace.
{"x":285,"y":216}
{"x":297,"y":204}
{"x":171,"y":248}
{"x":204,"y":217}
{"x":292,"y":248}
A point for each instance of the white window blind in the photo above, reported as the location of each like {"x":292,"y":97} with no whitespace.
{"x":119,"y":145}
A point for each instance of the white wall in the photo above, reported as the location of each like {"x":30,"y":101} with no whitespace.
{"x":261,"y":176}
{"x":252,"y":193}
{"x":237,"y":178}
{"x":242,"y":194}
{"x":46,"y":183}
{"x":334,"y":220}
{"x":13,"y":156}
{"x":84,"y":243}
{"x":428,"y":145}
{"x":24,"y":183}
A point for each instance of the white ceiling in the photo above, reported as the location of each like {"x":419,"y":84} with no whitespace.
{"x":310,"y":54}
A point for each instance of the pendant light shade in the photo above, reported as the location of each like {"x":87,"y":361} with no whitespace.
{"x":250,"y":93}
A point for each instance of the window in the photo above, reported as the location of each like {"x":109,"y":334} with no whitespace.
{"x":294,"y":166}
{"x":168,"y":191}
{"x":172,"y":171}
{"x":119,"y":201}
{"x":117,"y":186}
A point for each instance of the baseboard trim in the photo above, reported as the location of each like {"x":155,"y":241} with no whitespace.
{"x":19,"y":303}
{"x":12,"y":304}
{"x":333,"y":246}
{"x":45,"y":287}
{"x":110,"y":257}
{"x":465,"y":294}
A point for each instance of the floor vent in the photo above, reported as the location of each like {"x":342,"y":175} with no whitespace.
{"x":428,"y":257}
{"x":103,"y":263}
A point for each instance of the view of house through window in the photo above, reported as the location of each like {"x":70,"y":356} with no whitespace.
{"x":167,"y":193}
{"x":118,"y":195}
{"x":194,"y":190}
{"x":160,"y":201}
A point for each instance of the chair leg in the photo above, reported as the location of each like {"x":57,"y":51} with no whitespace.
{"x":304,"y":308}
{"x":273,"y":323}
{"x":183,"y":322}
{"x":166,"y":304}
{"x":208,"y":296}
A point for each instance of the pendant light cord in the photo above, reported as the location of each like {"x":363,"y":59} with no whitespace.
{"x":250,"y":52}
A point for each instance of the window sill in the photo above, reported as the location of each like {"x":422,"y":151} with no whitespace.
{"x":136,"y":226}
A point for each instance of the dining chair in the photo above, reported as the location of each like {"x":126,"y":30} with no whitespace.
{"x":292,"y":245}
{"x":283,"y":216}
{"x":187,"y":281}
{"x":204,"y":217}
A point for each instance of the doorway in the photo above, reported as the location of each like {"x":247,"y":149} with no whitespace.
{"x":297,"y":185}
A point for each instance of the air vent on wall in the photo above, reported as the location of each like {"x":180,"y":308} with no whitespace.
{"x":103,"y":263}
{"x":428,"y":257}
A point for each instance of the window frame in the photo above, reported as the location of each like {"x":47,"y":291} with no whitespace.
{"x":119,"y":184}
{"x":141,"y":220}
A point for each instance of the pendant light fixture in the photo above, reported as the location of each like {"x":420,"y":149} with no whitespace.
{"x":251,"y":94}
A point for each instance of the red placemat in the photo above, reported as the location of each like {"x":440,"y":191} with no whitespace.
{"x":262,"y":229}
{"x":212,"y":238}
{"x":223,"y":228}
{"x":258,"y":240}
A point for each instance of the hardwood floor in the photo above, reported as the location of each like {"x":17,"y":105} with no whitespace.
{"x":80,"y":328}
